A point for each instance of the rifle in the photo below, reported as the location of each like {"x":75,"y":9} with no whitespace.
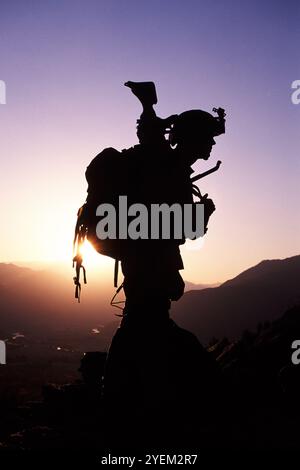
{"x":206,"y":173}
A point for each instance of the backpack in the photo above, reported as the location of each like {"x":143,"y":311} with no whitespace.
{"x":108,"y":175}
{"x":111,"y":174}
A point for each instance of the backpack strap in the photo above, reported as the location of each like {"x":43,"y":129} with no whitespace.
{"x":116,"y":272}
{"x":196,"y":192}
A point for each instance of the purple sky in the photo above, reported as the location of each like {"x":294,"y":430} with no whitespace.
{"x":64,"y":64}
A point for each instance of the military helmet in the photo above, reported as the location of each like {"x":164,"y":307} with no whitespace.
{"x":196,"y":121}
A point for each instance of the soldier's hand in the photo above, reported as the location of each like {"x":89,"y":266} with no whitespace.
{"x":209,"y":207}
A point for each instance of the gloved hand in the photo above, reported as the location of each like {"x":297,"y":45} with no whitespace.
{"x":209,"y":208}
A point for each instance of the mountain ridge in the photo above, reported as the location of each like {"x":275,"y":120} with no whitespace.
{"x":258,"y":294}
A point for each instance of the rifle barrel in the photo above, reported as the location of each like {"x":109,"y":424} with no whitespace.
{"x":206,"y":173}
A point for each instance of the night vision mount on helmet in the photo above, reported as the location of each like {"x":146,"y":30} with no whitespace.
{"x":197,"y":122}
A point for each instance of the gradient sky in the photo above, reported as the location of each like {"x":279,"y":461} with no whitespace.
{"x":64,"y":64}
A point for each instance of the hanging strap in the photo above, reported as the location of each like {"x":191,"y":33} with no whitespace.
{"x":196,"y":191}
{"x":115,"y":303}
{"x":116,"y":272}
{"x":79,"y":237}
{"x":78,"y":260}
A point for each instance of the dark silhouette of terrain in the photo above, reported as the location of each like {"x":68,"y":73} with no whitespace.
{"x":253,"y":403}
{"x":259,"y":294}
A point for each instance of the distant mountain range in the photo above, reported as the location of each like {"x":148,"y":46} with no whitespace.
{"x":31,"y":300}
{"x":261,"y":293}
{"x":191,"y":286}
{"x":34,"y":301}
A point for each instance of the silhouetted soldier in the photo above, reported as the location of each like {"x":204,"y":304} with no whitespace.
{"x":162,"y":175}
{"x":151,"y":362}
{"x":148,"y":348}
